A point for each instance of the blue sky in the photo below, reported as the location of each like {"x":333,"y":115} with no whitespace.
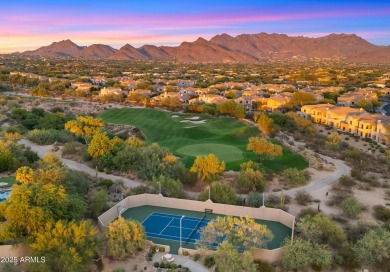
{"x":30,"y":24}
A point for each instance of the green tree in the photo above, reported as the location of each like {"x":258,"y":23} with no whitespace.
{"x":243,"y":233}
{"x":169,"y":187}
{"x":300,"y":99}
{"x":231,"y":108}
{"x":250,"y":179}
{"x":351,"y":207}
{"x":322,"y":229}
{"x":208,"y":167}
{"x":67,"y":247}
{"x":263,"y":148}
{"x":228,"y":259}
{"x":301,"y":254}
{"x":374,"y":248}
{"x":99,"y":202}
{"x":124,"y":238}
{"x":220,"y":193}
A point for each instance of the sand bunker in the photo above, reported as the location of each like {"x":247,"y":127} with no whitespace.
{"x":175,"y":116}
{"x":193,"y":118}
{"x":3,"y":183}
{"x":193,"y":122}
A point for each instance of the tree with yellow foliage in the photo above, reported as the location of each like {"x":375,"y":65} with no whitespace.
{"x":84,"y":126}
{"x":67,"y":247}
{"x":124,"y":238}
{"x":266,"y":124}
{"x":264,"y":148}
{"x":243,"y":233}
{"x":333,"y":140}
{"x":25,"y":175}
{"x":133,"y":141}
{"x":29,"y":208}
{"x":102,"y":145}
{"x":208,"y":167}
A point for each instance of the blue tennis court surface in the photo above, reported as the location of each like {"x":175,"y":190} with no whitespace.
{"x":167,"y":226}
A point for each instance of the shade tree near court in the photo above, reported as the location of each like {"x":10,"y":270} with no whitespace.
{"x":373,"y":249}
{"x":67,"y":247}
{"x":208,"y":167}
{"x":228,"y":258}
{"x":250,"y":177}
{"x":220,"y":193}
{"x":300,"y":254}
{"x":124,"y":238}
{"x":243,"y":233}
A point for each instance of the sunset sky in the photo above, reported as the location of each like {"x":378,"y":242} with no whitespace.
{"x":30,"y":24}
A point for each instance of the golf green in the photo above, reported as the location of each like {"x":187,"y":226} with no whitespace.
{"x":189,"y":135}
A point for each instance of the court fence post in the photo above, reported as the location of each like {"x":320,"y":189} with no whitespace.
{"x":181,"y":248}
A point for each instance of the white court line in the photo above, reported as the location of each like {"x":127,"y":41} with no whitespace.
{"x":147,"y":217}
{"x":167,"y":225}
{"x":178,"y":217}
{"x":156,"y":235}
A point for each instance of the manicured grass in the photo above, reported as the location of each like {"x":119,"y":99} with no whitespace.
{"x":227,"y":137}
{"x":227,"y":152}
{"x":9,"y":180}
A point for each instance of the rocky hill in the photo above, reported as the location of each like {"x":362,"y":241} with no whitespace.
{"x":245,"y":48}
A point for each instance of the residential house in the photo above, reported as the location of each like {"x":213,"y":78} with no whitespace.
{"x":208,"y":99}
{"x":110,"y":90}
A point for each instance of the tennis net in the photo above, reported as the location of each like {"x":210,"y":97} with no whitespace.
{"x":196,"y":228}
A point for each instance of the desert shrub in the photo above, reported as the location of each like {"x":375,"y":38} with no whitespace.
{"x":264,"y":267}
{"x":382,"y":213}
{"x":74,"y":149}
{"x":106,"y":183}
{"x":346,"y":181}
{"x":294,"y":176}
{"x":196,"y":257}
{"x":49,"y":136}
{"x":303,"y":198}
{"x":255,"y":199}
{"x":351,"y":207}
{"x":209,"y":261}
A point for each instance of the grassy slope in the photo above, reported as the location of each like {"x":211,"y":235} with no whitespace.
{"x":159,"y":126}
{"x":9,"y":180}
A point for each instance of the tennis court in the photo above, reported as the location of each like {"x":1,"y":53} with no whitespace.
{"x":167,"y":226}
{"x":162,"y":226}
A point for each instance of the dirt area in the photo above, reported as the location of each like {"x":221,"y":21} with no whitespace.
{"x":355,"y":143}
{"x":135,"y":263}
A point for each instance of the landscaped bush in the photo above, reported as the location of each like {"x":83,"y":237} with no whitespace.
{"x":303,"y":198}
{"x":173,"y":266}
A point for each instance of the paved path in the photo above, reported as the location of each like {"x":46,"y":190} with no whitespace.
{"x":185,"y":261}
{"x":312,"y":187}
{"x":43,"y":150}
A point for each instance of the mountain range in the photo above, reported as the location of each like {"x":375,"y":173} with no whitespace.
{"x":245,"y":48}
